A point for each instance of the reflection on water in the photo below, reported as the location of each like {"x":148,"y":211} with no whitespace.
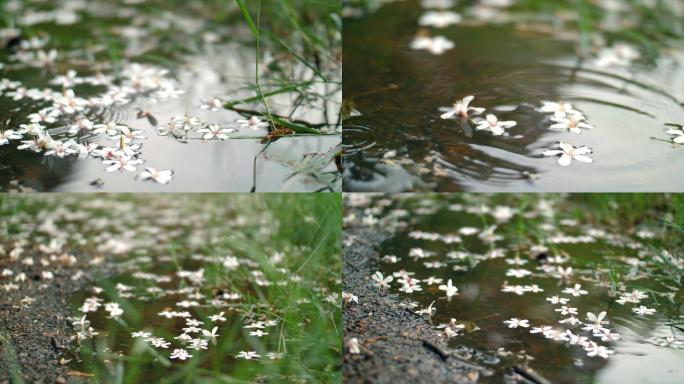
{"x":396,"y":94}
{"x":203,"y":59}
{"x":509,"y":258}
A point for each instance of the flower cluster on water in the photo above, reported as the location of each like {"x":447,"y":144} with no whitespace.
{"x":436,"y":271}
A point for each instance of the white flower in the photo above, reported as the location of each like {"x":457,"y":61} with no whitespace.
{"x":248,"y":355}
{"x":571,"y":123}
{"x":514,"y":322}
{"x":567,"y":153}
{"x":461,"y":108}
{"x":17,"y":94}
{"x":572,"y":320}
{"x":185,"y":122}
{"x":44,"y":116}
{"x":253,"y":123}
{"x":114,"y":310}
{"x":81,"y":124}
{"x":436,"y":45}
{"x":519,"y":273}
{"x":348,"y":298}
{"x":45,"y":59}
{"x":594,"y":349}
{"x":634,"y":297}
{"x":210,"y":334}
{"x":180,"y":354}
{"x":381,"y":281}
{"x":429,"y":310}
{"x":353,"y":346}
{"x":492,"y":123}
{"x":122,"y":162}
{"x":6,"y":136}
{"x":541,"y":329}
{"x":643,"y":310}
{"x":606,"y":335}
{"x":439,"y":19}
{"x":141,"y":334}
{"x":213,"y":104}
{"x":557,"y":300}
{"x":61,"y":149}
{"x":214,"y":131}
{"x":258,"y":333}
{"x":449,"y":289}
{"x":595,"y":322}
{"x":678,"y":133}
{"x":451,"y":329}
{"x":560,"y":109}
{"x":575,"y":291}
{"x":619,"y":54}
{"x":68,"y":102}
{"x":161,"y":177}
{"x":575,"y":339}
{"x":217,"y":317}
{"x":565,"y":310}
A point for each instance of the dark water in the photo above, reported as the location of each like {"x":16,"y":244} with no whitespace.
{"x":205,"y":58}
{"x":397,"y":142}
{"x":478,"y":268}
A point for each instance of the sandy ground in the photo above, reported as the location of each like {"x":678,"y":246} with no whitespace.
{"x":397,"y":345}
{"x":35,"y":343}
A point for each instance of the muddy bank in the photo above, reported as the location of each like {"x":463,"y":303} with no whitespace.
{"x":396,"y":344}
{"x":35,"y":329}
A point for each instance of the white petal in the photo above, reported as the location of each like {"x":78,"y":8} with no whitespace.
{"x":448,"y":115}
{"x":559,"y":126}
{"x":552,"y":152}
{"x":583,"y":158}
{"x":564,"y":160}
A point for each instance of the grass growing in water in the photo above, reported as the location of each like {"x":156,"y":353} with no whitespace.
{"x":279,"y":252}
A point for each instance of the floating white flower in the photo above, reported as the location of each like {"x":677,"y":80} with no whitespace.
{"x":449,"y":289}
{"x":575,"y":291}
{"x":185,"y":122}
{"x":6,"y":136}
{"x":559,"y":109}
{"x":595,"y":323}
{"x":180,"y":354}
{"x":571,"y":123}
{"x":439,"y":19}
{"x":594,"y":349}
{"x":557,"y":300}
{"x":248,"y":355}
{"x":620,"y":54}
{"x":643,"y":310}
{"x":45,"y":59}
{"x":519,"y":273}
{"x":462,"y":108}
{"x":253,"y":123}
{"x":436,"y":45}
{"x":678,"y":135}
{"x":213,"y":104}
{"x":215,"y":131}
{"x":568,"y":153}
{"x":122,"y":162}
{"x":44,"y":116}
{"x":492,"y":124}
{"x":514,"y":322}
{"x":161,"y":177}
{"x":565,"y":310}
